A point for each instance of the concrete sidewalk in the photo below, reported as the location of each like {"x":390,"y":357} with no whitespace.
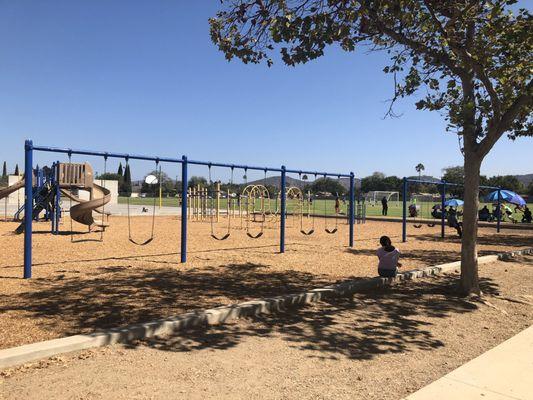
{"x":504,"y":372}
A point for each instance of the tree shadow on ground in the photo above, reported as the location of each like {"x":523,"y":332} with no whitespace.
{"x":428,"y":257}
{"x":388,"y":320}
{"x":497,"y":239}
{"x":144,"y":257}
{"x":526,"y":261}
{"x":434,"y":257}
{"x":118,"y":295}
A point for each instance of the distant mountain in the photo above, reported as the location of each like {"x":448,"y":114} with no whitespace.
{"x":275,"y":181}
{"x":525,"y":179}
{"x":290,"y":181}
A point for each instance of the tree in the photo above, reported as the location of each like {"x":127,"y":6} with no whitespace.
{"x":530,"y":191}
{"x":120,"y":171}
{"x":455,"y":175}
{"x":168,"y":186}
{"x":109,"y":176}
{"x":125,"y":189}
{"x":419,"y":168}
{"x":373,"y":182}
{"x":194,"y":181}
{"x":3,"y":178}
{"x":471,"y":57}
{"x":509,"y":182}
{"x":328,"y":185}
{"x":17,"y":170}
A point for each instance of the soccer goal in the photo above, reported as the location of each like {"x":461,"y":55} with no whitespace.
{"x":375,"y":197}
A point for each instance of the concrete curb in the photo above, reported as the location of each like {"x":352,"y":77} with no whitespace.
{"x":220,"y":315}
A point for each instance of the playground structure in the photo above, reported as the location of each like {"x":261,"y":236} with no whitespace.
{"x":48,"y":185}
{"x":442,"y":185}
{"x":98,"y":204}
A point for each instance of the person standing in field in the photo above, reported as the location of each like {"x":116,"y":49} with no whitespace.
{"x":337,"y":205}
{"x":384,"y":206}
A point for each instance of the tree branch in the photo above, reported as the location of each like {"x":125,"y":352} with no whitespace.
{"x":439,"y":57}
{"x":506,"y":120}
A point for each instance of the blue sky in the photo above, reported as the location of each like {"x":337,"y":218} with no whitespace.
{"x":143,"y":77}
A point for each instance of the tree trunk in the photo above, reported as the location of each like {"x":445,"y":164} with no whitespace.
{"x":469,"y":266}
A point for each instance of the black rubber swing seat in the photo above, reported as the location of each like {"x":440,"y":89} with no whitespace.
{"x":417,"y":226}
{"x":143,"y":243}
{"x":308,"y":233}
{"x":227,"y":235}
{"x":254,"y":236}
{"x":331,"y":232}
{"x":431,"y":225}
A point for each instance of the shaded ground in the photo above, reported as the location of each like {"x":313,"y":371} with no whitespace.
{"x":81,"y":284}
{"x":382,"y":344}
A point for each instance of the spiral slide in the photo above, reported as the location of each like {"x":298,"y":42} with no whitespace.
{"x":83,"y":211}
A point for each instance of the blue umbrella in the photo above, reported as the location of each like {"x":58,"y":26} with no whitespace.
{"x":454,"y":203}
{"x":518,"y":200}
{"x":508,"y":196}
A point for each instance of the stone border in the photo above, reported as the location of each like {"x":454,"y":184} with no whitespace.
{"x":220,"y":315}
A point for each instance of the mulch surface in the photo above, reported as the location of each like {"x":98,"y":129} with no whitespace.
{"x":81,"y":285}
{"x":381,"y":344}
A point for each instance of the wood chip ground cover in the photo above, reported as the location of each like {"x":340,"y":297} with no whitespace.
{"x":81,"y":285}
{"x":382,"y":344}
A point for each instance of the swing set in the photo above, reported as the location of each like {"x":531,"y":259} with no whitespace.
{"x":257,"y":199}
{"x":442,"y":185}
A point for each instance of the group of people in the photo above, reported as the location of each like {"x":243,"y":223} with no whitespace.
{"x":389,"y":256}
{"x":503,"y":211}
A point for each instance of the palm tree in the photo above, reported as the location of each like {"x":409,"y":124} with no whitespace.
{"x":419,"y":168}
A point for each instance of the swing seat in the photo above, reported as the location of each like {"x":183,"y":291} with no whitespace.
{"x":308,"y":233}
{"x":254,"y":237}
{"x":431,"y":225}
{"x":331,"y":232}
{"x":417,"y":226}
{"x":227,"y":235}
{"x":139,"y":243}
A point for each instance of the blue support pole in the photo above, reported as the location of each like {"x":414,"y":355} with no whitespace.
{"x":351,"y":205}
{"x":53,"y":216}
{"x":28,"y":206}
{"x":184,"y":184}
{"x":283,"y":206}
{"x":498,"y":223}
{"x":57,"y":213}
{"x":442,"y":217}
{"x":404,"y":210}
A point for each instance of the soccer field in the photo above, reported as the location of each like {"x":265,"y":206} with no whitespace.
{"x":319,"y":206}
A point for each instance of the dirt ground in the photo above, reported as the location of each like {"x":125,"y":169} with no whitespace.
{"x":81,"y":284}
{"x":382,"y":344}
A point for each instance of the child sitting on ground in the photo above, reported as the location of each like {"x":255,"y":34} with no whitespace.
{"x":388,"y":257}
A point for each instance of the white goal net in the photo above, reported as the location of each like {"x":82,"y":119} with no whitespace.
{"x":375,"y":197}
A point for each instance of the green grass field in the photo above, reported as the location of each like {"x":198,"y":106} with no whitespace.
{"x":324,"y":207}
